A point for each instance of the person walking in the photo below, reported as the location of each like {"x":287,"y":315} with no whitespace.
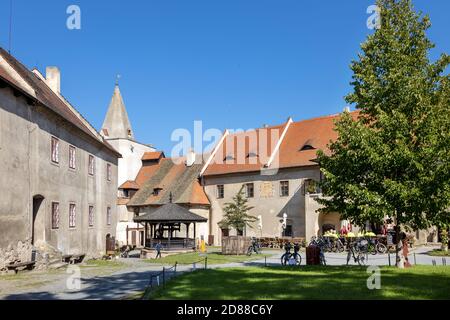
{"x":158,"y":248}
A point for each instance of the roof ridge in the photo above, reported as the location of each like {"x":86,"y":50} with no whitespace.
{"x":42,"y":92}
{"x":334,"y":115}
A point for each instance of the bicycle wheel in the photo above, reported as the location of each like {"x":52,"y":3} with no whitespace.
{"x":249,"y":251}
{"x":381,"y":248}
{"x":284,"y":259}
{"x":372,"y":249}
{"x":362,"y":258}
{"x":298,"y":259}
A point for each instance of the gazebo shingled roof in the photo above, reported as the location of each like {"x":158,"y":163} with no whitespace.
{"x":170,"y":213}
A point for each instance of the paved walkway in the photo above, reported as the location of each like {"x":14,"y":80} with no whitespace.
{"x":135,"y":276}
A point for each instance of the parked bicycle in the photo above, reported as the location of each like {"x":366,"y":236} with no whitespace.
{"x":125,"y":251}
{"x":359,"y":251}
{"x":289,"y":258}
{"x":254,"y":247}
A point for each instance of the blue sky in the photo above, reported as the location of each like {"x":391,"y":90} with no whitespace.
{"x":229,"y":63}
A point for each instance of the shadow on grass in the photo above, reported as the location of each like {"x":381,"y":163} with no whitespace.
{"x":308,"y":283}
{"x":96,"y":288}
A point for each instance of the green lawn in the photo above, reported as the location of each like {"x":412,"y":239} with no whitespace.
{"x":213,"y":258}
{"x":439,"y":253}
{"x":309,"y":282}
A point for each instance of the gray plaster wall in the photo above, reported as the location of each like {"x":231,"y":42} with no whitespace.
{"x":26,"y":170}
{"x":270,"y":205}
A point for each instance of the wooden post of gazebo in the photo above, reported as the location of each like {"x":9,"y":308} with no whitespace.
{"x":145,"y":235}
{"x":187,"y":234}
{"x":195,"y":236}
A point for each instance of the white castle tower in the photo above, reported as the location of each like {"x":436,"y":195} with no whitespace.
{"x":118,"y":132}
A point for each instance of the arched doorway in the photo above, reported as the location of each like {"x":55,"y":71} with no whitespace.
{"x":38,"y":221}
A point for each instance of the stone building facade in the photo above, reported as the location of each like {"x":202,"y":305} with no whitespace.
{"x":276,"y":169}
{"x":58,"y":176}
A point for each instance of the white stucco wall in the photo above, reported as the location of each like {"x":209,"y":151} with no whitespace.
{"x":131,"y":162}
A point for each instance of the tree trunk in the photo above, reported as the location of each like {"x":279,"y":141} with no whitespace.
{"x":399,"y":258}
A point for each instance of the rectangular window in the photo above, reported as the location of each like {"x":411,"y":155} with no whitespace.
{"x":72,"y":216}
{"x":55,"y":150}
{"x":108,"y":172}
{"x":108,"y":216}
{"x":284,"y":188}
{"x":250,"y":190}
{"x":55,"y":215}
{"x":72,"y":157}
{"x":91,"y":169}
{"x":91,"y":216}
{"x":220,"y":191}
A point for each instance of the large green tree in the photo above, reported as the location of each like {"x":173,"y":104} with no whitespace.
{"x":236,"y":212}
{"x":392,"y":158}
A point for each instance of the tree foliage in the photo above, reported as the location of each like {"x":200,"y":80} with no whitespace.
{"x":392,"y":156}
{"x":236,"y":212}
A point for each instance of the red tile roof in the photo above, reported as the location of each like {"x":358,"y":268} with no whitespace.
{"x":129,"y":185}
{"x":155,"y":155}
{"x":171,"y":178}
{"x":314,"y":133}
{"x":246,"y":151}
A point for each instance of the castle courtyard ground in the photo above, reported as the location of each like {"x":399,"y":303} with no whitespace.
{"x":124,"y":278}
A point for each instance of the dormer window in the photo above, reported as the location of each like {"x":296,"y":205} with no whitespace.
{"x":129,"y":132}
{"x":156,"y":191}
{"x":252,"y":155}
{"x":228,"y":158}
{"x":307,"y":147}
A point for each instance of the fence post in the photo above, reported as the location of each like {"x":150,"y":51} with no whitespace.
{"x":389,"y":257}
{"x":265,"y":261}
{"x":175,"y":270}
{"x":415,"y":261}
{"x":164,"y":278}
{"x":206,"y":263}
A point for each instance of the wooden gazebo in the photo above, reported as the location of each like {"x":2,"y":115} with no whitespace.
{"x":161,"y":224}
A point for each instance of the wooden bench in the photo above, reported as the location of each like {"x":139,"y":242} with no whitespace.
{"x":21,"y":266}
{"x":73,"y":258}
{"x":77,"y":258}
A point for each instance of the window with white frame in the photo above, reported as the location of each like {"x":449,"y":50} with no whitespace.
{"x":91,"y":165}
{"x":108,"y":216}
{"x":91,"y":216}
{"x":55,"y":215}
{"x":284,"y":188}
{"x":220,"y":191}
{"x":108,"y":172}
{"x":250,"y":190}
{"x":55,"y":150}
{"x":72,"y":215}
{"x":72,"y":157}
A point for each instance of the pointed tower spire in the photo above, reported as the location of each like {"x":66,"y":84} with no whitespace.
{"x":117,"y":124}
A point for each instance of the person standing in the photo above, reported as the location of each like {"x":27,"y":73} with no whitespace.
{"x":158,"y":248}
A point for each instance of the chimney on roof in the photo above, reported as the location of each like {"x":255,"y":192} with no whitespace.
{"x":53,"y":77}
{"x":346,"y":109}
{"x":190,"y":158}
